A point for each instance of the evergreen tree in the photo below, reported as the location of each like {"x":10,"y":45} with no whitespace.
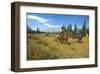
{"x":84,"y":30}
{"x":69,"y":28}
{"x":75,"y":28}
{"x":38,"y":30}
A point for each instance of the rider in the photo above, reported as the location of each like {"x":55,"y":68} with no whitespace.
{"x":79,"y":34}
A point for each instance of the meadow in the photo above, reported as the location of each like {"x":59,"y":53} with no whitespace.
{"x":42,"y":47}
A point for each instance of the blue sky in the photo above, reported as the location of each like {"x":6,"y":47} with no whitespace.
{"x":54,"y":21}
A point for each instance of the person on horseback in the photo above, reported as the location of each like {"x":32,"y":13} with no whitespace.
{"x":79,"y":35}
{"x":63,"y":35}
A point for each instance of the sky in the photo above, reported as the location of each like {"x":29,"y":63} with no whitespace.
{"x":53,"y":22}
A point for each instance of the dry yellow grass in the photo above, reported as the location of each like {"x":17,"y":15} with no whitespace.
{"x":46,"y":47}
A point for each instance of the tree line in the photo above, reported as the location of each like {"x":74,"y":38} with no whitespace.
{"x":83,"y":31}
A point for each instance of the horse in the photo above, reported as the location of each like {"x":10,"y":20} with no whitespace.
{"x":63,"y":37}
{"x":77,"y":36}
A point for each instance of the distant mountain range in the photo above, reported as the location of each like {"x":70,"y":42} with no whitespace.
{"x":29,"y":30}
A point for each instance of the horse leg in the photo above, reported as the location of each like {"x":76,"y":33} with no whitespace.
{"x":80,"y":39}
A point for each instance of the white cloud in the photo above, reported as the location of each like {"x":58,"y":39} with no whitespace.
{"x":39,"y":19}
{"x":47,"y":24}
{"x":42,"y":21}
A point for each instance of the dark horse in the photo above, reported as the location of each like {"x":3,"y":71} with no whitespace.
{"x":77,"y":36}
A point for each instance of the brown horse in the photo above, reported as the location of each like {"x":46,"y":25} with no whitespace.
{"x":63,"y":37}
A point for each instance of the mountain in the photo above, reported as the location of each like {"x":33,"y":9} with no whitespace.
{"x":29,"y":30}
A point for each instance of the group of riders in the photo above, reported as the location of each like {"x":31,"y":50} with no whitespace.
{"x":65,"y":35}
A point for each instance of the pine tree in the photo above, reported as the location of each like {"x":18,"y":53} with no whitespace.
{"x":75,"y":28}
{"x":38,"y":30}
{"x":84,"y":29}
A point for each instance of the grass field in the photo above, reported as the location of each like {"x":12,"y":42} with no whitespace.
{"x":41,"y":47}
